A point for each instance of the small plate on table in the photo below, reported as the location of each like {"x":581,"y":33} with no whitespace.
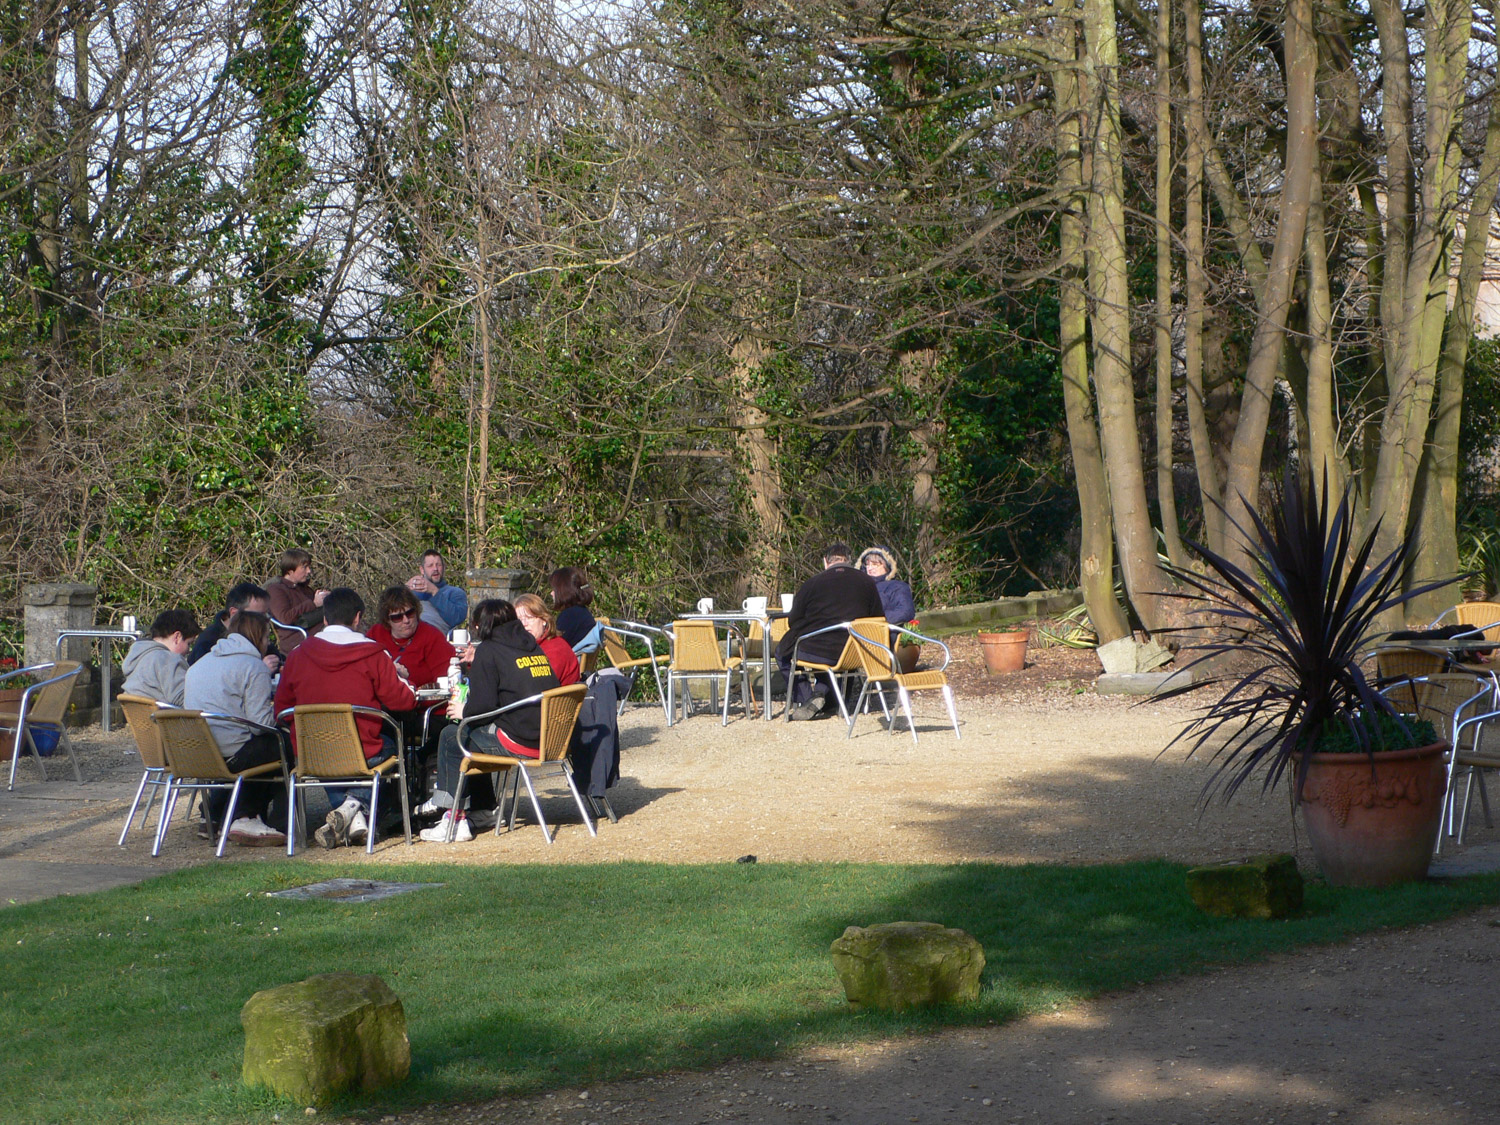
{"x":431,"y":694}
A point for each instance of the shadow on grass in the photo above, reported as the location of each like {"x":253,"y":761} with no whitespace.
{"x":523,"y":978}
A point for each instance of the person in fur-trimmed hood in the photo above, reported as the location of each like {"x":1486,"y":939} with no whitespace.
{"x":895,"y":595}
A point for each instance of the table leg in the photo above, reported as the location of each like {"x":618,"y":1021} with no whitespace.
{"x":765,"y":666}
{"x":107,"y":654}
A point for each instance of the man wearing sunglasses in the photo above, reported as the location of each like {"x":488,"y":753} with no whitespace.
{"x":420,"y":651}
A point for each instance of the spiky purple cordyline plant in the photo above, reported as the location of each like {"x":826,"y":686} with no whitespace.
{"x":1307,"y":613}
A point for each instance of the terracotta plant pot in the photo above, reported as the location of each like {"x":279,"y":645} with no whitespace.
{"x":1003,"y":652}
{"x":1370,"y":827}
{"x":906,"y":658}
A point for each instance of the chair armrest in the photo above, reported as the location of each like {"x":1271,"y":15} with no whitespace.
{"x":642,"y":637}
{"x":373,"y":712}
{"x":238,"y":720}
{"x":846,"y":626}
{"x":469,"y":720}
{"x":1472,"y":720}
{"x":29,"y":670}
{"x":385,"y":720}
{"x":289,"y":628}
{"x":640,"y":626}
{"x":283,"y":742}
{"x":926,"y":640}
{"x":26,"y":695}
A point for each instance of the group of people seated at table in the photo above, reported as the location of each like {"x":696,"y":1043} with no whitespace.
{"x":840,"y":592}
{"x":517,"y":650}
{"x":234,"y":668}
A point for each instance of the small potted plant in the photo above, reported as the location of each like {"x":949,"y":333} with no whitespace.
{"x":1286,"y":653}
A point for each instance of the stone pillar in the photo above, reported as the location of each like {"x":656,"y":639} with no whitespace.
{"x":495,"y":582}
{"x":51,"y":608}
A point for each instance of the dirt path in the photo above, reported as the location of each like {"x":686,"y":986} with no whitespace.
{"x":1394,"y":1028}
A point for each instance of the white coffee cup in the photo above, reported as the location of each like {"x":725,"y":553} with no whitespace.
{"x":460,"y":638}
{"x":127,"y":625}
{"x":705,"y":605}
{"x":786,"y":603}
{"x":445,"y":683}
{"x":757,"y":606}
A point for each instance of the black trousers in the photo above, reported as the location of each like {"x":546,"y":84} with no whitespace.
{"x":265,"y":799}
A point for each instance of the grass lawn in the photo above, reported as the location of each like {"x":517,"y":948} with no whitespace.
{"x":124,"y":1006}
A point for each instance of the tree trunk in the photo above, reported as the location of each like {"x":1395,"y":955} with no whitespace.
{"x":760,"y":454}
{"x":1324,"y":461}
{"x":918,"y":370}
{"x":1109,"y":292}
{"x":1196,"y":277}
{"x":1242,"y":486}
{"x":1166,"y":492}
{"x":1096,"y":549}
{"x":1419,"y":231}
{"x":1438,"y":480}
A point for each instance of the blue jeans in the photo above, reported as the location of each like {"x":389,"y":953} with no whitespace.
{"x":338,"y":794}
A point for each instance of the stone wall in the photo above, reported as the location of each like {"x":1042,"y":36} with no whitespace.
{"x":51,"y":608}
{"x":1002,"y":611}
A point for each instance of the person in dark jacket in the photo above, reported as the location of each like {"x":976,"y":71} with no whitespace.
{"x":294,"y":601}
{"x":508,"y":666}
{"x":571,"y":597}
{"x":895,"y":595}
{"x":242,"y":597}
{"x":837,"y":594}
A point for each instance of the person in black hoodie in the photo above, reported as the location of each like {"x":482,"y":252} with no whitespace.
{"x":508,"y":666}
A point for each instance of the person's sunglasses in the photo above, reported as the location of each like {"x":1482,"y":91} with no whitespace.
{"x":404,"y":615}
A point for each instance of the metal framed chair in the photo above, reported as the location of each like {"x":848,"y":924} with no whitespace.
{"x":698,"y":654}
{"x":880,"y":668}
{"x":138,"y":711}
{"x":282,"y":627}
{"x":43,"y":704}
{"x":1483,"y":616}
{"x":841,"y":670}
{"x":1397,"y":668}
{"x":1452,"y":702}
{"x":612,"y":638}
{"x":1470,"y":757}
{"x":559,"y":718}
{"x":330,"y":752}
{"x":195,"y":763}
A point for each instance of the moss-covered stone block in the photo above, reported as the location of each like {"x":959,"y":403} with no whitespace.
{"x":1265,"y":886}
{"x":898,"y":965}
{"x":317,"y":1038}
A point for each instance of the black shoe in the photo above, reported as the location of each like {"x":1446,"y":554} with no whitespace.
{"x":811,"y":709}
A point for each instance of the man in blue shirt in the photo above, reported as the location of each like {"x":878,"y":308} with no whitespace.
{"x":443,"y":606}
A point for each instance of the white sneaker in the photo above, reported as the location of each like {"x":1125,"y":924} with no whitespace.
{"x":335,"y":830}
{"x":429,"y":807}
{"x":252,"y":832}
{"x":359,"y":828}
{"x":438,"y":833}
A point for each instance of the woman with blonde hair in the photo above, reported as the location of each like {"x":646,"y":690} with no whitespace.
{"x":537,"y":620}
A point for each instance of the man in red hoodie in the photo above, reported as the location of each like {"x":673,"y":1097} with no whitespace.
{"x":341,"y":665}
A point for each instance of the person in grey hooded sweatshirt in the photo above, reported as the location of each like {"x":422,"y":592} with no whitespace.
{"x":156,"y":666}
{"x":233,"y":680}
